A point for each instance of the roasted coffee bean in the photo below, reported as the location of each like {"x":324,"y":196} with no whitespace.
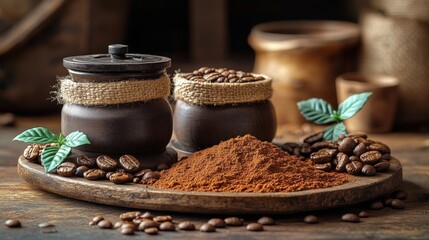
{"x":234,"y":221}
{"x":380,"y":147}
{"x":12,"y":223}
{"x":221,"y":70}
{"x":388,"y":202}
{"x":148,"y":215}
{"x":141,"y":173}
{"x":151,"y":231}
{"x":120,"y":178}
{"x":197,"y":78}
{"x":66,"y":169}
{"x":363,"y":214}
{"x":232,"y":80}
{"x":376,"y":205}
{"x":80,"y":170}
{"x":163,"y":218}
{"x":138,"y":220}
{"x":254,"y":227}
{"x":207,"y":227}
{"x":128,"y":225}
{"x":161,"y":167}
{"x":321,"y":156}
{"x":359,"y":149}
{"x":342,"y":161}
{"x":84,"y":160}
{"x":363,"y":141}
{"x":186,"y":225}
{"x":248,"y":79}
{"x":357,"y":134}
{"x":105,"y":224}
{"x":347,"y":145}
{"x":385,"y":156}
{"x":321,"y":145}
{"x":97,"y":219}
{"x":399,"y":194}
{"x":317,"y":137}
{"x":350,"y":217}
{"x":31,"y":152}
{"x":369,"y":170}
{"x":202,"y":69}
{"x":371,"y":157}
{"x":94,"y":174}
{"x":45,"y":225}
{"x":148,"y":224}
{"x":354,"y":158}
{"x":151,"y":175}
{"x":109,"y":174}
{"x":311,"y":219}
{"x":106,"y":163}
{"x":266,"y":221}
{"x":127,"y":231}
{"x":397,"y":204}
{"x":167,"y":226}
{"x":92,"y":223}
{"x":217,"y":222}
{"x":354,"y":168}
{"x":209,"y":70}
{"x":211,"y":76}
{"x":128,"y":216}
{"x":382,"y":166}
{"x":324,"y":167}
{"x":136,"y":180}
{"x":306,"y":151}
{"x":130,"y":163}
{"x":117,"y":224}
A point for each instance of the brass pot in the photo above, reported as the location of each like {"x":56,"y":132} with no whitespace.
{"x":303,"y":58}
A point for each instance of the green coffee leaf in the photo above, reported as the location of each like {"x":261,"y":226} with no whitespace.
{"x":316,"y":110}
{"x":75,"y":139}
{"x":333,"y":132}
{"x":54,"y":156}
{"x":38,"y":135}
{"x":349,"y":107}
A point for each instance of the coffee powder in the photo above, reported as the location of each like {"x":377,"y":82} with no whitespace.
{"x":245,"y":164}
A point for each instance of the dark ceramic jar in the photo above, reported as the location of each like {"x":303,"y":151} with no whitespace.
{"x":119,"y":101}
{"x":202,"y":122}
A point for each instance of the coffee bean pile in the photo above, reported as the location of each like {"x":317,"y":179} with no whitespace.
{"x":354,"y":154}
{"x":126,"y":169}
{"x":221,"y":75}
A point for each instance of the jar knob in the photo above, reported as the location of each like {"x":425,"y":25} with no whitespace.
{"x":118,"y":51}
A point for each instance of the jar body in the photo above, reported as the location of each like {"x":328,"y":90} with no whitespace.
{"x":198,"y":127}
{"x":136,"y":128}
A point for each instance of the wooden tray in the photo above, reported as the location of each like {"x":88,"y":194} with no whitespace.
{"x":359,"y":189}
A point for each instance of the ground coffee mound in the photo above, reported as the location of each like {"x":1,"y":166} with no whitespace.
{"x":245,"y":164}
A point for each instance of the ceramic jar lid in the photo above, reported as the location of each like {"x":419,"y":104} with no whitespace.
{"x":118,"y":60}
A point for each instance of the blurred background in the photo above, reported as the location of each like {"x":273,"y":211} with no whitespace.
{"x":35,"y":35}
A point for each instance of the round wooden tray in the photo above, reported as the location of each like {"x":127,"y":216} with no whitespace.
{"x":359,"y":189}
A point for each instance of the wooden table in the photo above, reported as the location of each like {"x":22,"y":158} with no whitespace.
{"x":33,"y":206}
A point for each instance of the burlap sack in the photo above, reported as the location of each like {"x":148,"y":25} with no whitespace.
{"x":216,"y":94}
{"x":399,"y":47}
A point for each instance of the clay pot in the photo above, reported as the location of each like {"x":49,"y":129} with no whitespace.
{"x":303,"y":58}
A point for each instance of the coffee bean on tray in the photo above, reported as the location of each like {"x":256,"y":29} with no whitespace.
{"x":151,"y":175}
{"x":380,"y":147}
{"x":31,"y":152}
{"x":120,"y":178}
{"x":382,"y":166}
{"x":207,"y":227}
{"x":321,"y":156}
{"x":84,"y":160}
{"x":130,"y":163}
{"x":342,"y":161}
{"x":350,"y":217}
{"x":324,"y":167}
{"x":186,"y":225}
{"x":347,"y":145}
{"x":254,"y":227}
{"x":217,"y":222}
{"x":106,"y":163}
{"x":354,"y":168}
{"x":234,"y":221}
{"x":359,"y":149}
{"x":148,"y":224}
{"x":94,"y":174}
{"x":12,"y":223}
{"x":128,"y":216}
{"x":66,"y":169}
{"x":371,"y":157}
{"x":80,"y":170}
{"x":369,"y":170}
{"x":266,"y":221}
{"x":141,"y":173}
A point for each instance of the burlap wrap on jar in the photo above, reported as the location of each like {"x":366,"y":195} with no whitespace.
{"x":395,"y":36}
{"x":217,"y":94}
{"x":112,"y":93}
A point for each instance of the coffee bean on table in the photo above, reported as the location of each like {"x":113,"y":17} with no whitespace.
{"x":342,"y":161}
{"x":354,"y":168}
{"x":127,"y":225}
{"x":207,"y":227}
{"x":163,"y":218}
{"x":254,"y":227}
{"x":128,"y":216}
{"x":217,"y":222}
{"x":148,"y":215}
{"x":399,"y":194}
{"x":127,"y":231}
{"x":382,"y":166}
{"x":350,"y":217}
{"x":147,"y":223}
{"x":321,"y":156}
{"x":66,"y":169}
{"x":105,"y":224}
{"x":347,"y":145}
{"x":311,"y":219}
{"x":369,"y":170}
{"x":186,"y":225}
{"x":376,"y":205}
{"x":234,"y":221}
{"x":120,"y":178}
{"x":130,"y":163}
{"x":359,"y":149}
{"x":266,"y":221}
{"x":167,"y":226}
{"x":151,"y":231}
{"x":31,"y":152}
{"x":45,"y":225}
{"x":12,"y":223}
{"x":94,"y":174}
{"x":380,"y":147}
{"x":371,"y":157}
{"x":84,"y":160}
{"x":324,"y":167}
{"x":363,"y":214}
{"x":106,"y":163}
{"x":397,"y":204}
{"x":151,"y":175}
{"x":80,"y":170}
{"x":118,"y":224}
